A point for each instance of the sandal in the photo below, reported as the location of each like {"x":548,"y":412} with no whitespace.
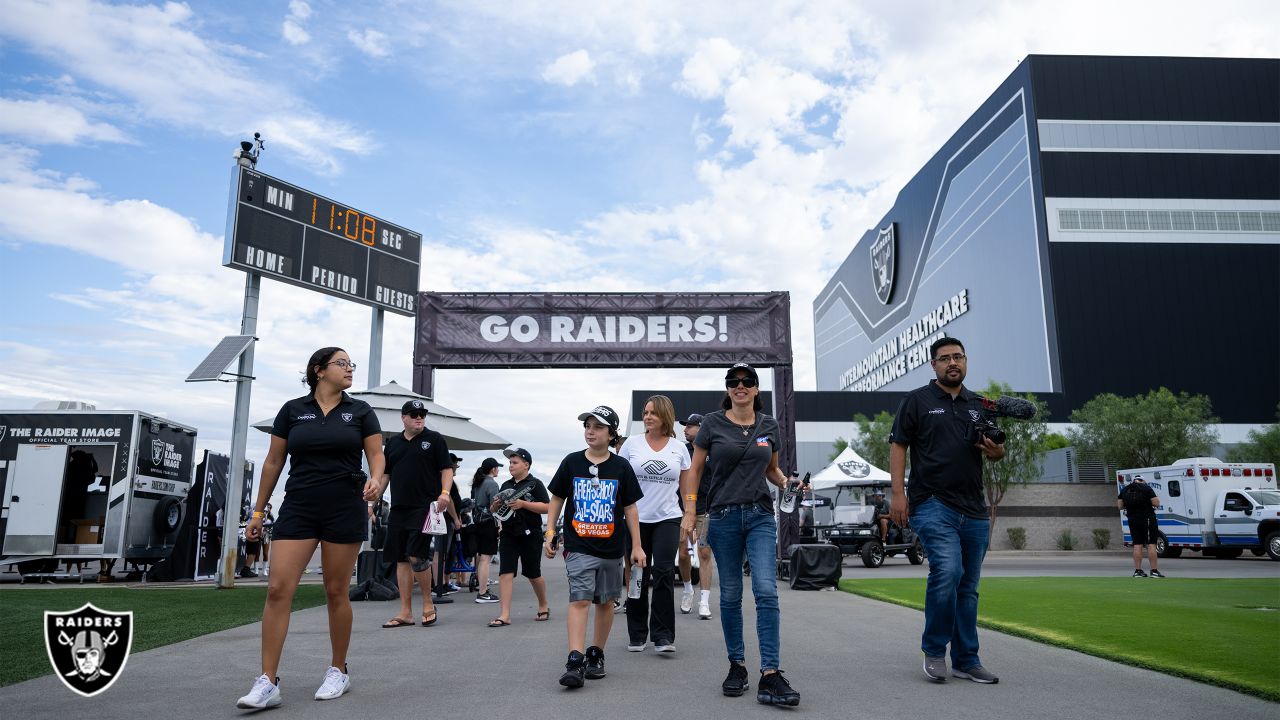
{"x":434,"y":616}
{"x":543,"y":615}
{"x":499,"y":622}
{"x":397,"y":622}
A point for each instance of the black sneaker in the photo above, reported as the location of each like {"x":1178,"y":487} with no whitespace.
{"x":735,"y":683}
{"x":1139,"y":573}
{"x":1156,"y":574}
{"x":775,"y":690}
{"x":247,"y":572}
{"x":574,"y":670}
{"x":595,"y":663}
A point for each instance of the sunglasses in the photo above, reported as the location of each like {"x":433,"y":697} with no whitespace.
{"x":416,"y":415}
{"x":743,"y":381}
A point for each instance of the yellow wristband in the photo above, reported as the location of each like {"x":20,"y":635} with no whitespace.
{"x":691,"y":497}
{"x":259,"y":514}
{"x":548,"y":534}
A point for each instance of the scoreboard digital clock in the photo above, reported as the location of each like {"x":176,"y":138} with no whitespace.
{"x":290,"y":234}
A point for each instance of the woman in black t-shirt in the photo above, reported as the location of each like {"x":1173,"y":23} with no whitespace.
{"x":323,"y":434}
{"x":745,"y":443}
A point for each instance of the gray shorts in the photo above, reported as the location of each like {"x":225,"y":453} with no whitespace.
{"x":593,"y":578}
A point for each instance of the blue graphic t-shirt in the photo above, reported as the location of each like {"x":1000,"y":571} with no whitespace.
{"x":593,"y":502}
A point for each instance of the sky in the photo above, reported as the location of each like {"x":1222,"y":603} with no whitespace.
{"x":553,"y":146}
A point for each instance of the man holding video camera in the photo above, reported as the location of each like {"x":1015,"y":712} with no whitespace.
{"x":941,"y":424}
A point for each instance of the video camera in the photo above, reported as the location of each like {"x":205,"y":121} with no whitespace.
{"x":984,"y":425}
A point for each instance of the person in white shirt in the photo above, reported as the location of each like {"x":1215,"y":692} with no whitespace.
{"x":659,"y":461}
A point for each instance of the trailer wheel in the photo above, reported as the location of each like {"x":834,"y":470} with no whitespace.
{"x":168,"y":516}
{"x":1163,"y":550}
{"x":872,"y":554}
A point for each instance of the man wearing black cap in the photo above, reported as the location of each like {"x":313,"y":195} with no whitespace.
{"x":1139,"y":503}
{"x":706,"y":563}
{"x":520,"y":540}
{"x":420,"y":471}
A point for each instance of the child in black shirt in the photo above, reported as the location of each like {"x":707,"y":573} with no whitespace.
{"x":593,"y":485}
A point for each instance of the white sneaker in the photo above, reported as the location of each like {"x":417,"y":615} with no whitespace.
{"x":336,"y":684}
{"x":263,"y":694}
{"x":665,"y":648}
{"x":634,"y":647}
{"x":704,"y":610}
{"x":686,"y":601}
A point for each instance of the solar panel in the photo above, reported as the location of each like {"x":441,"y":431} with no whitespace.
{"x":217,"y":362}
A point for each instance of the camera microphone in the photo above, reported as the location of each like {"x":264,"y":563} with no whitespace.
{"x":1005,"y":406}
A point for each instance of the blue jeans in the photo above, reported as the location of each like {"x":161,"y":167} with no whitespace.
{"x":956,"y":545}
{"x":749,"y":530}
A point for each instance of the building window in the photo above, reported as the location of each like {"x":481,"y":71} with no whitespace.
{"x":1217,"y":221}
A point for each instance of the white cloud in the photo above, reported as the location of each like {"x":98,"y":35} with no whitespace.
{"x":569,"y":69}
{"x":714,"y":63}
{"x":154,"y":59}
{"x":299,"y":10}
{"x":292,"y":29}
{"x":370,"y":42}
{"x":43,"y":122}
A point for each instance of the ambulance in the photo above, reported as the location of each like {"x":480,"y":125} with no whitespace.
{"x":1216,"y":508}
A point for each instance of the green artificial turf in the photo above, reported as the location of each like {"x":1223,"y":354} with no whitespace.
{"x":160,"y":617}
{"x":1220,"y":631}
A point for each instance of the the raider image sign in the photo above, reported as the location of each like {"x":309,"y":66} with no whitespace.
{"x":88,"y":648}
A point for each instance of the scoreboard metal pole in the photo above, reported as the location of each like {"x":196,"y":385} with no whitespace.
{"x":226,"y":576}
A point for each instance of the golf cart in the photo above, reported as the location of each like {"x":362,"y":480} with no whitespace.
{"x":856,"y":530}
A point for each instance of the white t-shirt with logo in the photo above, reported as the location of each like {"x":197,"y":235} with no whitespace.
{"x":659,"y":476}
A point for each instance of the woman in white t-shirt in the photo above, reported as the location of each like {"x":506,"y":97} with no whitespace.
{"x":659,"y":461}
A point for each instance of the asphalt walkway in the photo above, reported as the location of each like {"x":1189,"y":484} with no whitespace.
{"x":848,"y":656}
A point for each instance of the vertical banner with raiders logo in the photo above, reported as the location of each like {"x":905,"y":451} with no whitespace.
{"x":88,"y":647}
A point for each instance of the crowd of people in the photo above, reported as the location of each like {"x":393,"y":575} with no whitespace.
{"x":633,"y":510}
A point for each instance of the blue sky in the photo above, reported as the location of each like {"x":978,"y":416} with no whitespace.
{"x":602,"y":146}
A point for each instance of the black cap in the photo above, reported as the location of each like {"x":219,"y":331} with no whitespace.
{"x":604,"y":414}
{"x":489,"y":463}
{"x":743,"y":366}
{"x":456,"y":460}
{"x":694,"y":419}
{"x":524,"y":454}
{"x":413,"y":406}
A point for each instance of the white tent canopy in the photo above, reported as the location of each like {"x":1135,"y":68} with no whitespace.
{"x":847,"y":467}
{"x":386,"y":400}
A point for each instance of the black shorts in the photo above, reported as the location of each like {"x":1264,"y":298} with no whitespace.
{"x":404,"y":543}
{"x":335,"y":513}
{"x":524,"y":550}
{"x":484,"y":539}
{"x":1143,"y":529}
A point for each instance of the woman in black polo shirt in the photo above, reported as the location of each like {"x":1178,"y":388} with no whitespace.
{"x":323,"y":434}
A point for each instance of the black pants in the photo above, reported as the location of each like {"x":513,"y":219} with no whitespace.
{"x":656,"y":621}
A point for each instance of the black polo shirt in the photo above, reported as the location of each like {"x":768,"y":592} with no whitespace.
{"x":414,"y":465}
{"x":944,"y":464}
{"x":324,"y":448}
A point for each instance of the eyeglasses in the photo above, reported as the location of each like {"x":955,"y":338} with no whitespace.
{"x":743,"y":381}
{"x":416,"y":415}
{"x":944,"y":359}
{"x":344,"y":364}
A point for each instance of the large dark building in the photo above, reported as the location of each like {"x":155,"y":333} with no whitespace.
{"x":1100,"y":224}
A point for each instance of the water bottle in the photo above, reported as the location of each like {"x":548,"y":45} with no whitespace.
{"x":637,"y":579}
{"x":788,"y":503}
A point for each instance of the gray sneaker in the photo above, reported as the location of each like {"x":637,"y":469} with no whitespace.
{"x":978,"y":674}
{"x":935,"y":668}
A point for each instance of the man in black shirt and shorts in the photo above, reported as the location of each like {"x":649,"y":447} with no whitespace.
{"x":420,"y":471}
{"x":1139,"y":502}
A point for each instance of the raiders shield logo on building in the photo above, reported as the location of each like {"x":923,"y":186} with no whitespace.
{"x":88,"y":648}
{"x":883,"y":254}
{"x":157,"y":451}
{"x":855,"y":469}
{"x":3,"y":429}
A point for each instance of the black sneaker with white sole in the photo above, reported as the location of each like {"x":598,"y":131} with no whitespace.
{"x":775,"y":690}
{"x":1139,"y":573}
{"x":1156,"y":574}
{"x":735,"y":683}
{"x":595,"y":663}
{"x":575,"y":670}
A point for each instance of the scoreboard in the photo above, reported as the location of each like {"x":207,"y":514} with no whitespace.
{"x":282,"y":231}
